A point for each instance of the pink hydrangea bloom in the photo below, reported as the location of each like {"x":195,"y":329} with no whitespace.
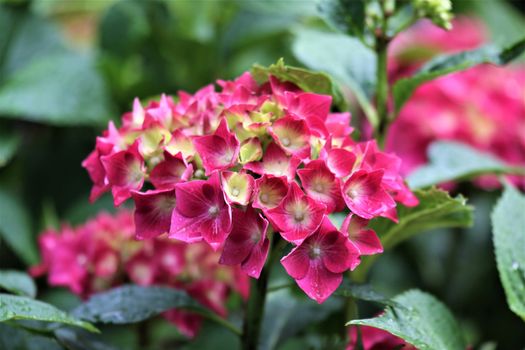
{"x":252,"y":160}
{"x":103,"y":253}
{"x":482,"y":106}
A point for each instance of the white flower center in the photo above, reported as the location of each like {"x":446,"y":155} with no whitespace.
{"x":213,"y":211}
{"x":264,"y":198}
{"x":235,"y":192}
{"x":285,"y":141}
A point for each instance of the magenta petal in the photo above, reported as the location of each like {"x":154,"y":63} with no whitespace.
{"x":297,"y":262}
{"x":249,"y":228}
{"x":322,"y":185}
{"x":340,"y":162}
{"x":192,"y":199}
{"x":218,"y":151}
{"x":365,"y":196}
{"x":335,"y":254}
{"x":298,"y":216}
{"x":170,"y":171}
{"x":319,"y":283}
{"x":185,"y":229}
{"x":153,"y":211}
{"x":254,"y":264}
{"x":125,"y":172}
{"x":363,"y":238}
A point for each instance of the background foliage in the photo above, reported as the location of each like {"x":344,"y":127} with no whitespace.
{"x":67,"y":67}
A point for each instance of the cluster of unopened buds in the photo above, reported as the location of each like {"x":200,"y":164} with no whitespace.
{"x":249,"y":164}
{"x":103,"y":253}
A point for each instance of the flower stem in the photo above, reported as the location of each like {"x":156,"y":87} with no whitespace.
{"x":254,"y":313}
{"x":382,"y":90}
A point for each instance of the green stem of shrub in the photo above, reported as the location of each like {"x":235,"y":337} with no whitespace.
{"x":254,"y":312}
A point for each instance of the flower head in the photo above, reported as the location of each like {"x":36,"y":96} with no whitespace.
{"x":233,"y":167}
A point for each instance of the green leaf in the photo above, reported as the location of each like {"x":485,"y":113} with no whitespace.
{"x":446,"y":64}
{"x":132,"y":303}
{"x":319,"y":83}
{"x":346,"y":59}
{"x":42,"y":80}
{"x":508,"y":225}
{"x":456,"y":161}
{"x":14,"y":338}
{"x":78,"y":339}
{"x":9,"y":144}
{"x":347,"y":16}
{"x":421,"y":320}
{"x":363,"y":292}
{"x":59,"y":89}
{"x":14,"y":307}
{"x":285,"y":315}
{"x":17,"y":282}
{"x":15,"y":228}
{"x":436,"y":209}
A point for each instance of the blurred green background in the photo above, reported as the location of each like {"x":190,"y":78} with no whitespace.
{"x":67,"y":67}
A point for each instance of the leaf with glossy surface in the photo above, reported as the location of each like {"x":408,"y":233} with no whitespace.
{"x":14,"y":307}
{"x":285,"y":315}
{"x":446,"y":64}
{"x":344,"y":58}
{"x":362,"y":292}
{"x":131,"y":304}
{"x":14,"y":338}
{"x":436,"y":209}
{"x":15,"y":228}
{"x":421,"y":320}
{"x":450,"y":161}
{"x":316,"y":82}
{"x":17,"y":282}
{"x":508,"y":225}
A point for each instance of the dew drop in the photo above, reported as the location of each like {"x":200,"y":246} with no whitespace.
{"x":515,"y":266}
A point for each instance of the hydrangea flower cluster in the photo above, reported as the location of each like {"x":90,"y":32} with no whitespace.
{"x":103,"y":253}
{"x":237,"y":167}
{"x":483,"y":106}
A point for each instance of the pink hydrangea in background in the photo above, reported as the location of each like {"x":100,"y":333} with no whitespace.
{"x":483,"y":107}
{"x":103,"y":253}
{"x":251,"y":163}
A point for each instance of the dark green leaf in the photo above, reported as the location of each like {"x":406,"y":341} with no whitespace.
{"x":17,"y":282}
{"x":345,"y":58}
{"x":421,"y":320}
{"x":446,"y":64}
{"x":131,"y":304}
{"x":319,"y":83}
{"x":78,"y":339}
{"x":15,"y":228}
{"x":436,"y":209}
{"x":41,"y":80}
{"x":60,"y":89}
{"x":9,"y":144}
{"x":14,"y":338}
{"x":25,"y":38}
{"x":508,"y":225}
{"x":285,"y":315}
{"x":362,"y":292}
{"x":14,"y":307}
{"x":347,"y":16}
{"x":456,"y":161}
